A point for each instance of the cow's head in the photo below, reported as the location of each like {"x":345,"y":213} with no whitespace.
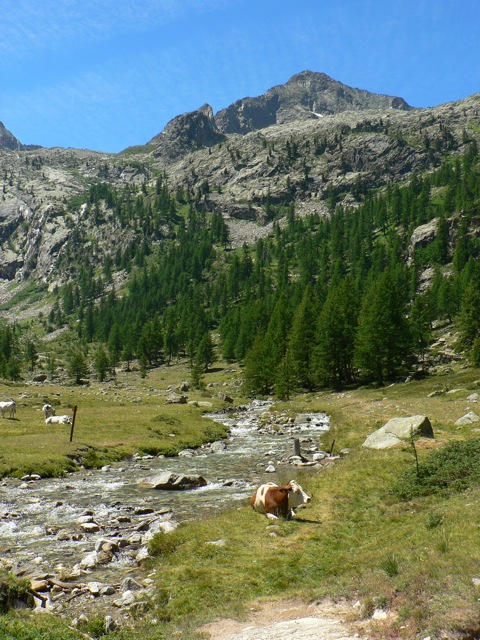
{"x":297,"y":495}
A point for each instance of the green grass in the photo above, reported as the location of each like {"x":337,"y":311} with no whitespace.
{"x":112,"y":422}
{"x":356,"y":541}
{"x":31,"y":293}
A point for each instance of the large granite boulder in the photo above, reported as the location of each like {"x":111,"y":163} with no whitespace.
{"x":399,"y":430}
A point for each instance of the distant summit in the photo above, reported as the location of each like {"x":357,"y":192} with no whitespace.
{"x":305,"y":96}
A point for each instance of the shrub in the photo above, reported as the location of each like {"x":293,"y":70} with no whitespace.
{"x":12,"y":589}
{"x":454,"y":468}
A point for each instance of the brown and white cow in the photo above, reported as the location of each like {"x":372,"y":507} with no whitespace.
{"x":275,"y":501}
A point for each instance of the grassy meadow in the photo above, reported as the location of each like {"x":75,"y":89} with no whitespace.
{"x":113,"y":420}
{"x":357,"y":542}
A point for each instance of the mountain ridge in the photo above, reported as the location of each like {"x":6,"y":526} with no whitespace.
{"x":248,"y":178}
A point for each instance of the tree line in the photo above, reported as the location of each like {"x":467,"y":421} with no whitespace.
{"x":320,"y":302}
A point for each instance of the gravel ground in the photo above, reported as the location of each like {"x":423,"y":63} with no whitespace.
{"x":290,"y":620}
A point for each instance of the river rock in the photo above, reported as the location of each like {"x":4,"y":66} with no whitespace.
{"x":399,"y":430}
{"x":186,"y":453}
{"x":218,"y":446}
{"x":104,"y":557}
{"x":110,"y":625}
{"x":129,"y":584}
{"x":159,"y":526}
{"x":144,"y":511}
{"x":175,"y":481}
{"x":143,"y":554}
{"x":109,"y":546}
{"x":89,"y":561}
{"x":468,"y":418}
{"x":94,"y":588}
{"x":126,"y":600}
{"x":135,"y":539}
{"x":39,"y":585}
{"x":85,"y":519}
{"x":90,"y":527}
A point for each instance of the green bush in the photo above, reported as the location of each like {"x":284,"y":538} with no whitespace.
{"x":454,"y":468}
{"x":12,"y":589}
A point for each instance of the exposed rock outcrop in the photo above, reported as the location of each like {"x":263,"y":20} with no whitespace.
{"x":188,"y":132}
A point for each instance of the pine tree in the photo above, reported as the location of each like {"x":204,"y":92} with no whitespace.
{"x":77,"y":365}
{"x":101,"y":363}
{"x":302,"y":341}
{"x":469,"y":315}
{"x":283,"y":377}
{"x":383,"y":340}
{"x":258,"y":377}
{"x":336,"y":330}
{"x":205,"y":352}
{"x":31,"y":354}
{"x":420,"y":324}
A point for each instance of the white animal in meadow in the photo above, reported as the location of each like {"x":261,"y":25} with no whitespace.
{"x":48,"y":410}
{"x":59,"y":420}
{"x":8,"y":407}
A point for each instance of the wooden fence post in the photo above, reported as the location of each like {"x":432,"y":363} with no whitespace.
{"x":73,"y":422}
{"x":296,"y":447}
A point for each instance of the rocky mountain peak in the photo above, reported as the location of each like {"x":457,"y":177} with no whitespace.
{"x":307,"y":95}
{"x":188,"y":132}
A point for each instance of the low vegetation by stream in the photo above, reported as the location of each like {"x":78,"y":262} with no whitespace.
{"x":361,"y":540}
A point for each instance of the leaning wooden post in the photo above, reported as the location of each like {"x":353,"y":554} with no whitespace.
{"x":73,"y":422}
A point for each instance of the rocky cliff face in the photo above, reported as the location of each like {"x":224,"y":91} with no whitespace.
{"x":256,"y":156}
{"x":187,"y":133}
{"x":8,"y":140}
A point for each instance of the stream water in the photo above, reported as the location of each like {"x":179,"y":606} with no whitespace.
{"x":31,"y":513}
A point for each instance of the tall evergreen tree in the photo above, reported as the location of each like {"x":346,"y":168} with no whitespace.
{"x":336,"y":330}
{"x":302,"y":341}
{"x":469,"y":315}
{"x":383,"y":339}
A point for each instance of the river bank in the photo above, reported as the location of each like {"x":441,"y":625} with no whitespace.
{"x":82,"y":540}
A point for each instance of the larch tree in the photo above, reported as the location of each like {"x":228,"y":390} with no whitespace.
{"x":383,"y":338}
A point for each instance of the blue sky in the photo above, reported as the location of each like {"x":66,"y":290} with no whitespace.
{"x":108,"y":74}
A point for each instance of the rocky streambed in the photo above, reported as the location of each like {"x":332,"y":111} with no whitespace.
{"x":82,"y":539}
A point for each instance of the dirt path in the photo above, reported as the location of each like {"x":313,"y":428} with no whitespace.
{"x":290,"y":620}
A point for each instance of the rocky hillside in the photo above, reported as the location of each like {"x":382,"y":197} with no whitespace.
{"x":307,"y":143}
